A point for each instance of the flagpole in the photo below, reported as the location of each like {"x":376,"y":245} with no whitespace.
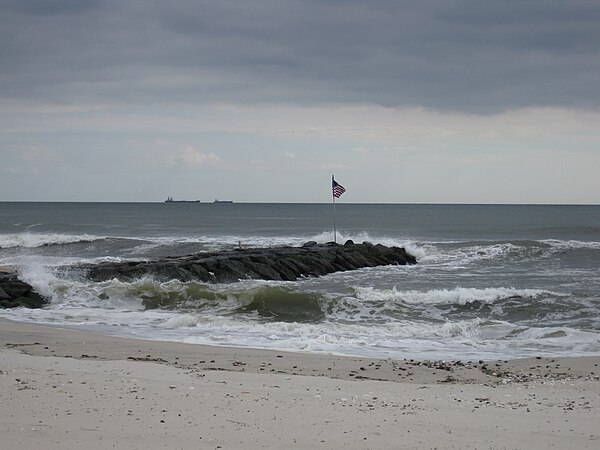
{"x":333,"y":199}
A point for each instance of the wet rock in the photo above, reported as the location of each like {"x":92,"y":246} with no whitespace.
{"x":276,"y":263}
{"x":15,"y":293}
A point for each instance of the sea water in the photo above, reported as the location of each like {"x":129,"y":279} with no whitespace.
{"x":492,"y":281}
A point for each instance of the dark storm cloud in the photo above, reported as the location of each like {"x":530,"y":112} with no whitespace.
{"x":450,"y":55}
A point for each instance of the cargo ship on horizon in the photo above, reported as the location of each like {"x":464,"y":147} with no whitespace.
{"x":170,"y":200}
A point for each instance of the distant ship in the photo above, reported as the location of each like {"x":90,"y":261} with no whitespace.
{"x":170,"y":200}
{"x":222,"y":201}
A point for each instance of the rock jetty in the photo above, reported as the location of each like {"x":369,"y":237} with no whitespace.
{"x":277,"y":263}
{"x":14,"y":293}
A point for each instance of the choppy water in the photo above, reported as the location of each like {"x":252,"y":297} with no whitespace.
{"x":492,"y":281}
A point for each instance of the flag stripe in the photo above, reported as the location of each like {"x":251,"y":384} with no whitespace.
{"x":338,"y":189}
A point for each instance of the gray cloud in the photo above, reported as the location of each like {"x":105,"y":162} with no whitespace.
{"x":450,"y":55}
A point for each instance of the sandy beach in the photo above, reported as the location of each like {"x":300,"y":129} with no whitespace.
{"x":65,"y":389}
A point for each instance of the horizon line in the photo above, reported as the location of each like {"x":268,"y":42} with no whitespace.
{"x":207,"y":202}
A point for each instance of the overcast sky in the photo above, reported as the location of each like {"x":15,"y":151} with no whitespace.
{"x":262,"y":100}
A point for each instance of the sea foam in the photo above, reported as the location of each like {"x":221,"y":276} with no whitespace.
{"x":31,"y":240}
{"x":459,"y":295}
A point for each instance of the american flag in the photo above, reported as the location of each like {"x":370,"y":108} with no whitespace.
{"x":338,"y":189}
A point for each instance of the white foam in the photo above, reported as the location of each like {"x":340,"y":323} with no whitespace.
{"x":32,"y":240}
{"x":362,"y":236}
{"x":497,"y":250}
{"x":37,"y":275}
{"x":182,"y":321}
{"x":222,"y":241}
{"x":418,"y":251}
{"x":460,"y":296}
{"x":466,"y":339}
{"x":249,"y":330}
{"x":572,"y":244}
{"x":469,"y":254}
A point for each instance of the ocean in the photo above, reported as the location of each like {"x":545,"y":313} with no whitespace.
{"x":491,"y":282}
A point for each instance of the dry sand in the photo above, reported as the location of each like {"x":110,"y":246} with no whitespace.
{"x":67,"y":389}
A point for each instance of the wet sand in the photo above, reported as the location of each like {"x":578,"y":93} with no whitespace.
{"x":67,"y":389}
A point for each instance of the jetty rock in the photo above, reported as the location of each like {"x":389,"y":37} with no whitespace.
{"x":14,"y":293}
{"x":274,"y":263}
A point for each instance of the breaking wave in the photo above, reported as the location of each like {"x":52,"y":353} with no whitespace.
{"x":337,"y":331}
{"x":418,"y":251}
{"x":261,"y":299}
{"x":269,"y":302}
{"x":30,"y":240}
{"x":572,"y":244}
{"x":457,"y":296}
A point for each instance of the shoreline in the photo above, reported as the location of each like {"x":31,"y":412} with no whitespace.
{"x":47,"y":340}
{"x":62,"y":388}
